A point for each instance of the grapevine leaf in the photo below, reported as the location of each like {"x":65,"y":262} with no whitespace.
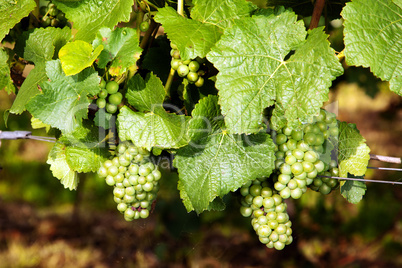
{"x":5,"y":80}
{"x":36,"y":123}
{"x":120,"y":46}
{"x":215,"y":162}
{"x":398,"y":3}
{"x":353,"y":152}
{"x":156,"y":127}
{"x":270,"y":63}
{"x":11,"y":12}
{"x":85,"y":150}
{"x":193,"y":38}
{"x":217,"y":204}
{"x":60,"y":168}
{"x":78,"y":55}
{"x":91,"y":15}
{"x":40,"y":47}
{"x":64,"y":102}
{"x":221,"y":13}
{"x":353,"y":191}
{"x":373,"y":38}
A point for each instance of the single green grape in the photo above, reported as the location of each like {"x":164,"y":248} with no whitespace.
{"x":115,"y":98}
{"x":144,"y":26}
{"x":101,"y":103}
{"x":112,"y":87}
{"x":111,"y":108}
{"x":183,"y":70}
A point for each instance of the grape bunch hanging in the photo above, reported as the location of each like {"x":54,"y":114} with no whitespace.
{"x":135,"y":180}
{"x":109,"y":97}
{"x":305,"y":158}
{"x":53,"y":17}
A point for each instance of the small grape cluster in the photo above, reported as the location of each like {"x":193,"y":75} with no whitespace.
{"x":270,"y":219}
{"x":109,"y":97}
{"x":51,"y":16}
{"x":298,"y":157}
{"x":135,"y":180}
{"x":189,"y":69}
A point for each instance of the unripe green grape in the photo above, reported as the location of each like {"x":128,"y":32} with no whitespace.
{"x":117,"y":200}
{"x":102,"y":172}
{"x":129,"y":213}
{"x":266,"y":192}
{"x":292,"y":184}
{"x":46,"y":21}
{"x":268,"y":202}
{"x":274,"y":236}
{"x":128,"y":198}
{"x":282,"y":217}
{"x":194,"y":66}
{"x":132,"y":150}
{"x":192,"y":77}
{"x":112,"y":87}
{"x":297,"y":135}
{"x":110,"y":180}
{"x":141,"y":196}
{"x":333,"y":183}
{"x":144,"y":204}
{"x":301,"y":183}
{"x":115,"y":98}
{"x":292,"y":144}
{"x":296,"y":193}
{"x":283,"y":238}
{"x":119,"y":178}
{"x":264,"y":231}
{"x":281,"y":139}
{"x":255,"y":190}
{"x":283,"y":147}
{"x":175,"y":63}
{"x":281,"y":208}
{"x":103,"y":94}
{"x":298,"y":154}
{"x":290,"y":159}
{"x":122,"y":207}
{"x":319,"y":165}
{"x":248,"y":199}
{"x":264,"y":240}
{"x":287,"y":131}
{"x":310,"y":156}
{"x":148,"y":186}
{"x":317,"y":182}
{"x":113,"y":170}
{"x":258,"y":213}
{"x":130,"y":190}
{"x":157,"y":174}
{"x":111,"y":108}
{"x":302,"y":145}
{"x":246,"y":211}
{"x":102,"y":85}
{"x":325,"y":189}
{"x":278,"y":199}
{"x":333,"y":131}
{"x":278,"y":245}
{"x":54,"y":22}
{"x":183,"y":70}
{"x":285,"y":169}
{"x":279,"y":186}
{"x":284,"y":179}
{"x":297,"y":168}
{"x":52,"y":11}
{"x":308,"y":166}
{"x":186,"y":62}
{"x":199,"y":82}
{"x":144,"y":26}
{"x":278,"y":163}
{"x":138,"y":158}
{"x":310,"y":138}
{"x":301,"y":176}
{"x":118,"y":192}
{"x":270,"y":244}
{"x":280,"y":155}
{"x":285,"y":193}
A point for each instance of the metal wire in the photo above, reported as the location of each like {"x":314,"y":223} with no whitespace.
{"x":357,"y":179}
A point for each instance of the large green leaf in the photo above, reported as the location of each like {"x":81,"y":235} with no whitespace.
{"x":215,"y":162}
{"x":5,"y":80}
{"x":221,"y":13}
{"x":85,"y":149}
{"x":11,"y":12}
{"x":193,"y":38}
{"x":121,"y":46}
{"x":89,"y":16}
{"x":40,"y":47}
{"x":270,"y":63}
{"x":77,"y":55}
{"x":353,"y":152}
{"x":64,"y":102}
{"x":373,"y":38}
{"x":353,"y":191}
{"x":155,"y":127}
{"x":60,"y":168}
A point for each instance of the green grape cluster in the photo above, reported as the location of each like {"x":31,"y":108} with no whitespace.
{"x":188,"y":69}
{"x":51,"y":16}
{"x":299,"y":157}
{"x":270,"y":219}
{"x":109,"y":97}
{"x":135,"y":180}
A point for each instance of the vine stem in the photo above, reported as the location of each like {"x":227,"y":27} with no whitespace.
{"x":180,"y":7}
{"x":315,"y":18}
{"x":383,"y":158}
{"x":357,"y":179}
{"x":169,"y":82}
